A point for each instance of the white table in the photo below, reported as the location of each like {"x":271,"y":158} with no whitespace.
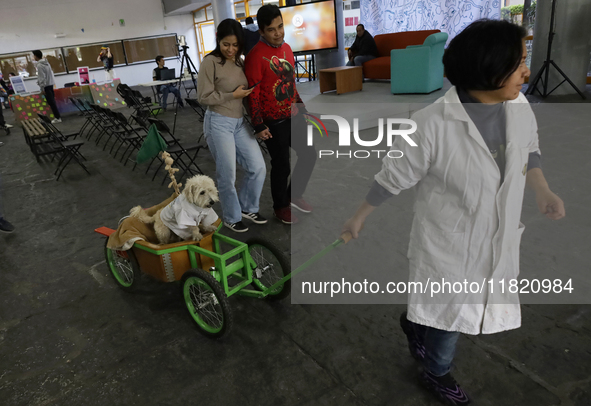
{"x":155,"y":83}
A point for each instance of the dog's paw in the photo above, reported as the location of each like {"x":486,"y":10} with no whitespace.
{"x":135,"y":211}
{"x":209,"y":229}
{"x":197,"y":236}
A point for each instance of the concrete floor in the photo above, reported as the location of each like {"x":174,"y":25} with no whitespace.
{"x":70,"y":336}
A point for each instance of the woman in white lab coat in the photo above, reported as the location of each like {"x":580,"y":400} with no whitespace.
{"x":477,"y":150}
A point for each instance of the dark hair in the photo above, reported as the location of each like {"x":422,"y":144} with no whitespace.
{"x":266,"y":15}
{"x":158,"y":58}
{"x":249,"y":20}
{"x":484,"y":54}
{"x":226,"y":28}
{"x":360,"y":25}
{"x":38,"y":54}
{"x":11,"y":73}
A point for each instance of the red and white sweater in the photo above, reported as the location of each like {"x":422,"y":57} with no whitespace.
{"x":271,"y":100}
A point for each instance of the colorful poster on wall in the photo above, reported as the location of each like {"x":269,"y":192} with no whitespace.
{"x":83,"y":76}
{"x":18,"y":84}
{"x":450,"y":16}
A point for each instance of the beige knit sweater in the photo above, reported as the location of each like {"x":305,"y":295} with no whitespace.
{"x":217,"y":82}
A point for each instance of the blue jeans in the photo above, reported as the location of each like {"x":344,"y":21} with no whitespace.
{"x":359,"y":60}
{"x":230,"y":140}
{"x":440,"y":348}
{"x":165,"y":89}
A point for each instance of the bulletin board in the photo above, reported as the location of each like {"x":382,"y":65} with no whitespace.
{"x":27,"y":107}
{"x":106,"y":96}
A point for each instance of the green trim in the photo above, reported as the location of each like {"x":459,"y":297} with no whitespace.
{"x":193,"y":280}
{"x":115,"y":271}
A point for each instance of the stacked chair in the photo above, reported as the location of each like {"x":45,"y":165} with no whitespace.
{"x":68,"y":150}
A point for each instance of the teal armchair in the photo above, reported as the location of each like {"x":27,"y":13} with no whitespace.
{"x":418,"y":68}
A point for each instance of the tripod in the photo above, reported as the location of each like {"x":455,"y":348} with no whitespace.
{"x":185,"y":61}
{"x":545,"y":69}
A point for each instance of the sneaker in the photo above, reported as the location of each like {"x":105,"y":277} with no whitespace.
{"x":301,"y":205}
{"x":237,"y":227}
{"x":445,"y":388}
{"x":285,"y":215}
{"x":5,"y":226}
{"x":7,"y":129}
{"x":56,"y":120}
{"x":254,"y":217}
{"x":416,"y":348}
{"x":1,"y":143}
{"x":8,"y":126}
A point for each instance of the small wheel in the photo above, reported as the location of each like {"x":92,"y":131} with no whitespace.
{"x":273,"y":266}
{"x":124,"y":267}
{"x":207,"y":303}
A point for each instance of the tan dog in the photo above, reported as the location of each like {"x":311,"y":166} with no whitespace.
{"x":187,"y":215}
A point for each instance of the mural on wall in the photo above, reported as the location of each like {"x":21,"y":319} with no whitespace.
{"x":450,"y":16}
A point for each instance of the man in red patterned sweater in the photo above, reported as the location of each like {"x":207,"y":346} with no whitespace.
{"x":276,"y":118}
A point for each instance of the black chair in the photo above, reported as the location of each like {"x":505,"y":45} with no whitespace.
{"x":135,"y":135}
{"x":177,"y":150}
{"x":84,"y":113}
{"x":198,"y":108}
{"x":70,"y":150}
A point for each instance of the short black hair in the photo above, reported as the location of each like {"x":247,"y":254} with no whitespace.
{"x":484,"y":54}
{"x":38,"y":53}
{"x":360,"y":25}
{"x":267,"y":14}
{"x":249,"y":20}
{"x":158,"y":58}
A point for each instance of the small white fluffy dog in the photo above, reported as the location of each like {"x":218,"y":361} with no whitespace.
{"x":187,"y":215}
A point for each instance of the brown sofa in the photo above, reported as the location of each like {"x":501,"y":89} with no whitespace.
{"x":379,"y":68}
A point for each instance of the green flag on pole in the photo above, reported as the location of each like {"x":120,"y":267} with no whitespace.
{"x":152,"y":145}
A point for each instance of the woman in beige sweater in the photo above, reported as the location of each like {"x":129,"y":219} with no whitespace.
{"x":221,"y":86}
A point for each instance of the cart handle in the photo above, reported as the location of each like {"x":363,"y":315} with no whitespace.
{"x":346,"y":237}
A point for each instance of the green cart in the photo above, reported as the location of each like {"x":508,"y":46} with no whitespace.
{"x":257,"y":268}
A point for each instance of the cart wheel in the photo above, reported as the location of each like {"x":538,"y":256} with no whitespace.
{"x":124,"y":267}
{"x":207,"y":303}
{"x":273,"y":264}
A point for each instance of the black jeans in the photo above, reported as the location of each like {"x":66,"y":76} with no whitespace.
{"x":279,"y":146}
{"x":50,"y":97}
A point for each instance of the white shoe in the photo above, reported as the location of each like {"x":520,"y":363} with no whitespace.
{"x":56,"y":120}
{"x":8,"y":126}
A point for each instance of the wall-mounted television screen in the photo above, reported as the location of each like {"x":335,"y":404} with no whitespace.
{"x":310,"y":26}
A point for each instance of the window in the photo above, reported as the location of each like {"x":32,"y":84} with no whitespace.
{"x":141,"y":50}
{"x":23,"y":64}
{"x":86,"y":55}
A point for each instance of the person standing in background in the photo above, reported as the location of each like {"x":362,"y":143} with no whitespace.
{"x":46,"y":82}
{"x":107,"y":59}
{"x":251,"y":35}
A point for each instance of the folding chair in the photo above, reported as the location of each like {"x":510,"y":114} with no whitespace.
{"x":84,"y":113}
{"x":124,"y":133}
{"x":176,"y":149}
{"x":196,"y":107}
{"x":70,"y":150}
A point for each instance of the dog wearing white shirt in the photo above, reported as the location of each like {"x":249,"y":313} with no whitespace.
{"x":186,"y":216}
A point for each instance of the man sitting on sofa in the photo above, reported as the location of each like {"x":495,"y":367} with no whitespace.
{"x":363,"y":49}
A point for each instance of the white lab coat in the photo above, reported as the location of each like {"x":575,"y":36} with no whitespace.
{"x":466,"y":224}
